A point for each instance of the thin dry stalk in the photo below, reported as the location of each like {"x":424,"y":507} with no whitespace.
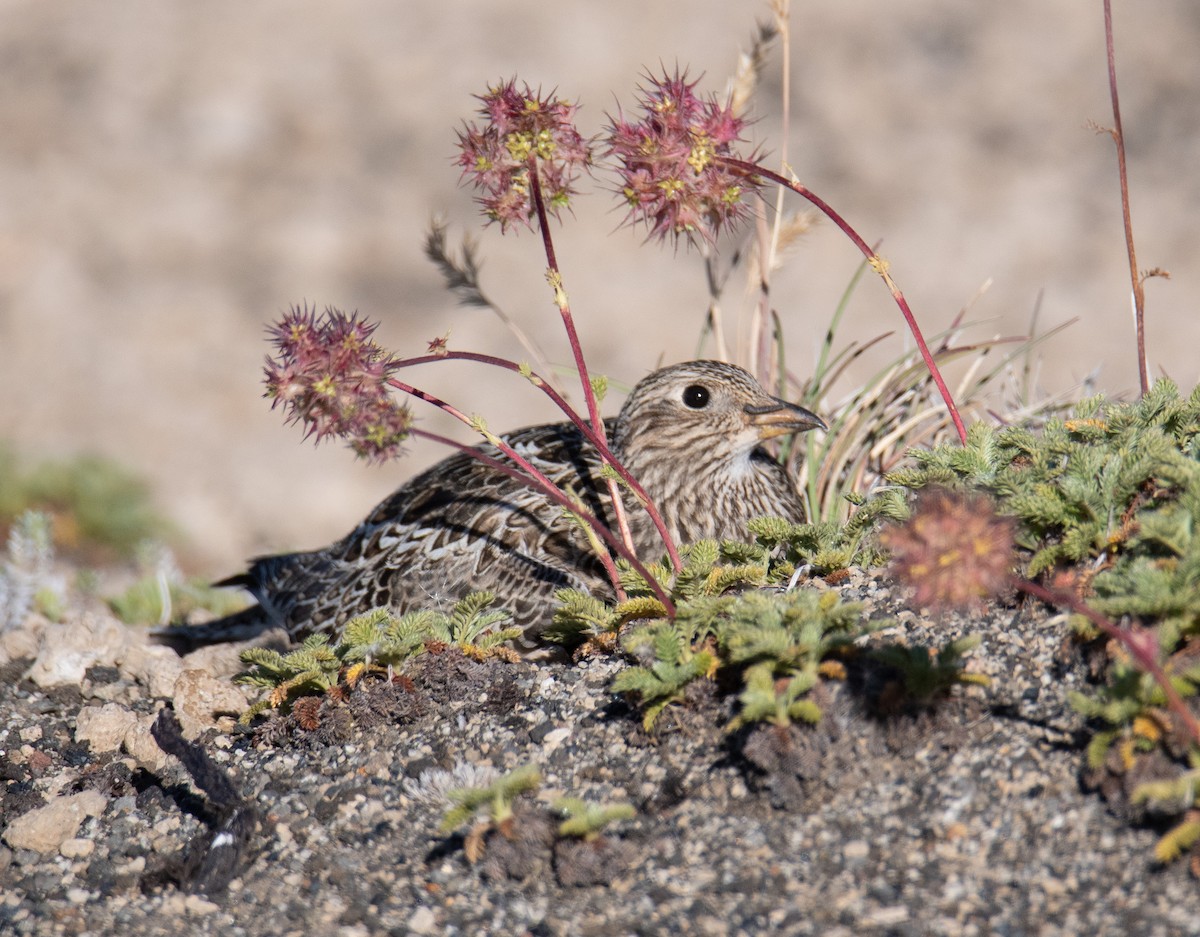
{"x":1118,"y":136}
{"x":461,"y":276}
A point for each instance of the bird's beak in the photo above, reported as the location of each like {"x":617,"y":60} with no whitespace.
{"x":780,"y":418}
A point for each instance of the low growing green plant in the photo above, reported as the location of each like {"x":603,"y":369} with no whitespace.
{"x":1177,"y":795}
{"x":779,"y":701}
{"x":312,"y":668}
{"x":586,"y":820}
{"x":496,"y":799}
{"x":929,"y":674}
{"x":780,"y":634}
{"x":377,"y":639}
{"x":96,"y":504}
{"x":676,"y":664}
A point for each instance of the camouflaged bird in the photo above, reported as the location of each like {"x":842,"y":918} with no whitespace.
{"x":691,"y":434}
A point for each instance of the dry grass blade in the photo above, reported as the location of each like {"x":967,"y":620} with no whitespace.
{"x":898,"y":408}
{"x":461,"y":276}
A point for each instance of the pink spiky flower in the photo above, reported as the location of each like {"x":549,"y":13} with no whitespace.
{"x":332,"y":377}
{"x":520,"y":130}
{"x":674,"y":162}
{"x":954,"y":551}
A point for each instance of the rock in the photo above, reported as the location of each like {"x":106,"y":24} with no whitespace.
{"x":198,"y":906}
{"x":45,"y":829}
{"x":153,"y":666}
{"x":104,"y":727}
{"x":76,"y":848}
{"x":142,"y":748}
{"x":67,"y":649}
{"x":555,"y":738}
{"x":200,"y":699}
{"x":23,"y":643}
{"x":423,"y":921}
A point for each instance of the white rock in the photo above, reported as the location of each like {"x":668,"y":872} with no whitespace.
{"x":142,"y":748}
{"x":76,"y":848}
{"x":47,"y":828}
{"x":224,"y":660}
{"x":23,"y":642}
{"x":153,"y":666}
{"x":67,"y":649}
{"x":104,"y":727}
{"x":197,"y":906}
{"x":423,"y":921}
{"x":554,"y":738}
{"x":200,"y":699}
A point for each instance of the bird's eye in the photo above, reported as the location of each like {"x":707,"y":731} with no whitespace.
{"x":695,"y":396}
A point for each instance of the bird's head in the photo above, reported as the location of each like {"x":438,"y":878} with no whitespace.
{"x":702,"y":410}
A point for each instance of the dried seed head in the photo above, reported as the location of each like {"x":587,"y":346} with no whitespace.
{"x":331,"y":376}
{"x":672,"y":162}
{"x":520,"y":130}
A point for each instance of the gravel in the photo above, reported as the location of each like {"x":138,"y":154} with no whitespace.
{"x":968,"y":818}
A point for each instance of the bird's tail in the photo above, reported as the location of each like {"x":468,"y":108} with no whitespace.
{"x":245,"y":625}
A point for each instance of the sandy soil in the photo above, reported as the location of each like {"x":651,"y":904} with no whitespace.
{"x":174,"y":175}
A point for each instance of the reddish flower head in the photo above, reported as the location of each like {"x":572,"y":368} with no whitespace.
{"x":331,"y":376}
{"x":522,"y":130}
{"x":954,"y":550}
{"x":674,"y":162}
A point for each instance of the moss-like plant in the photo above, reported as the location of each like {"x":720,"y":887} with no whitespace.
{"x":676,"y":664}
{"x":586,"y":820}
{"x":929,"y":674}
{"x":311,"y":668}
{"x":496,"y":800}
{"x":376,"y":640}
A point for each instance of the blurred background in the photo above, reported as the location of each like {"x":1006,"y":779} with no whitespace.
{"x":174,"y":175}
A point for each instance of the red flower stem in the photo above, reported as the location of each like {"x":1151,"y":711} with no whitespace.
{"x":583,"y":425}
{"x":877,"y":263}
{"x":1141,"y":654}
{"x":1139,"y":293}
{"x":554,"y":276}
{"x":536,"y":480}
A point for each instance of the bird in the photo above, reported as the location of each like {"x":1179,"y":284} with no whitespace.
{"x":691,"y":433}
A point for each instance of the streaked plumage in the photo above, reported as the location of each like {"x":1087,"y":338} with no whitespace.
{"x":691,"y":434}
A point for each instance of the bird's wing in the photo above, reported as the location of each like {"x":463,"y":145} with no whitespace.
{"x":458,"y":527}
